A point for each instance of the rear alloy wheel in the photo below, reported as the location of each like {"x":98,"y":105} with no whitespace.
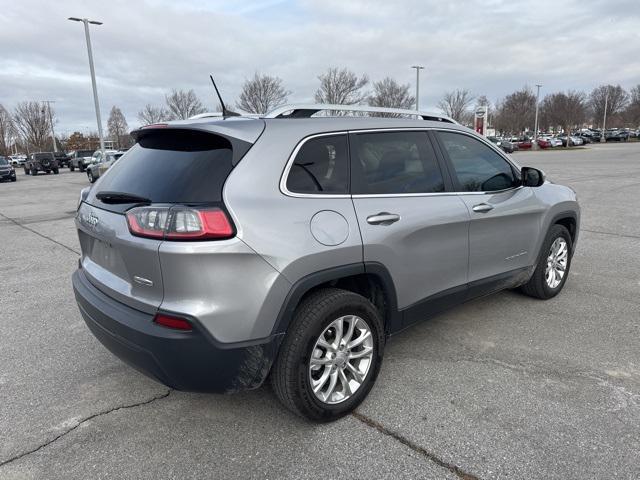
{"x":341,"y":359}
{"x":90,"y":176}
{"x":331,"y":355}
{"x":553,"y":266}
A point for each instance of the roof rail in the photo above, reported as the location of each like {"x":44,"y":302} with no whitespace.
{"x":306,"y":111}
{"x":219,"y":115}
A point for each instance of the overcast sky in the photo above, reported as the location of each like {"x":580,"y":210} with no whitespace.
{"x":145,"y":48}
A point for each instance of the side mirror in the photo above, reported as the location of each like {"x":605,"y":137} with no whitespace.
{"x":532,"y":177}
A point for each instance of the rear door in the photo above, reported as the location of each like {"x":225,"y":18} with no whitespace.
{"x":409,"y":222}
{"x":505,"y":217}
{"x":167,"y":167}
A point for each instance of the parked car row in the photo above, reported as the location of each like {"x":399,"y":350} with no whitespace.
{"x":94,"y":162}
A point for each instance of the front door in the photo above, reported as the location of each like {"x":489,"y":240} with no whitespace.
{"x":505,"y":217}
{"x":408,"y":221}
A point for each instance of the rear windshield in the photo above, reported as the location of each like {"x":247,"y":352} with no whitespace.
{"x":172,"y":166}
{"x":84,"y":153}
{"x":41,"y":156}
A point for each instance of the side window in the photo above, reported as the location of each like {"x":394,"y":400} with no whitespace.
{"x":478,"y":167}
{"x":395,"y":162}
{"x":321,"y":166}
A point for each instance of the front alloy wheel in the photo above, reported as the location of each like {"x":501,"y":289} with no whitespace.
{"x":557,"y":262}
{"x":553,"y":265}
{"x":341,"y":359}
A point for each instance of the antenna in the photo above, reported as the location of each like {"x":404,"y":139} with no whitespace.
{"x":225,"y":112}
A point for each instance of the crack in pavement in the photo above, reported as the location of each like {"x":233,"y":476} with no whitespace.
{"x":621,"y":235}
{"x":90,"y":417}
{"x":15,"y":222}
{"x":416,"y":448}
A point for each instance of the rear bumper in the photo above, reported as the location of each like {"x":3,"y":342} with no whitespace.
{"x":192,"y":361}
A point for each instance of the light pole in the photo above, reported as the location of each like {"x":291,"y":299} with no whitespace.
{"x":93,"y":73}
{"x":418,"y":68}
{"x":535,"y":131}
{"x":53,"y":134}
{"x":603,"y":137}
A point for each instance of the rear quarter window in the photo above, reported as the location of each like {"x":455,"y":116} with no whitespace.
{"x":321,"y":166}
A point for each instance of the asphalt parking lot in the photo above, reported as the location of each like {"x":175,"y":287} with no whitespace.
{"x":503,"y":387}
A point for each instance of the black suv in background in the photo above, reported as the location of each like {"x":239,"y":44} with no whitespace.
{"x":62,"y":158}
{"x":7,"y":172}
{"x":41,"y":162}
{"x":616,"y":135}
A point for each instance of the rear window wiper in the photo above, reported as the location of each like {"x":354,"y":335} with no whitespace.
{"x":120,"y":197}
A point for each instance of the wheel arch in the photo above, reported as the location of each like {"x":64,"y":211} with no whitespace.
{"x":372,"y":280}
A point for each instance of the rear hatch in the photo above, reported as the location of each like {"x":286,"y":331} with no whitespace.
{"x":169,"y":168}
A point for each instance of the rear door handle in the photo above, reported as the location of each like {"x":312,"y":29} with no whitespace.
{"x":383,"y":218}
{"x":482,"y":208}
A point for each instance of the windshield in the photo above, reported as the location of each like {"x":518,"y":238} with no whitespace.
{"x":84,"y":153}
{"x":3,"y":161}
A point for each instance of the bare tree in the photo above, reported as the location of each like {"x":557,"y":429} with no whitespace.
{"x":566,"y":110}
{"x":183,"y":104}
{"x":614,"y":96}
{"x":31,"y":121}
{"x":150,"y":114}
{"x":341,"y":87}
{"x":456,"y":104}
{"x":632,"y":113}
{"x":6,"y":131}
{"x":390,"y":94}
{"x":516,"y":112}
{"x":262,"y":93}
{"x":117,"y":126}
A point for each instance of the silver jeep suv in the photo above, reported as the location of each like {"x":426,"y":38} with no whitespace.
{"x":220,"y":251}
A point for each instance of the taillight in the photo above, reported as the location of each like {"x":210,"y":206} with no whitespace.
{"x":172,"y":322}
{"x":179,"y":223}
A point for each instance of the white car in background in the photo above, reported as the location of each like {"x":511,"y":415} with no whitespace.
{"x":17,"y":159}
{"x":100,"y":163}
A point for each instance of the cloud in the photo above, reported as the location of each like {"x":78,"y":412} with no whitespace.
{"x":146,"y":48}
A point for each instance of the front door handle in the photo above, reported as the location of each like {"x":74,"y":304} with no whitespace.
{"x":482,"y":208}
{"x":383,"y":218}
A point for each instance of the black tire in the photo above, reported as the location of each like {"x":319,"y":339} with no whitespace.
{"x":56,"y":171}
{"x":71,"y":167}
{"x":26,"y":171}
{"x":47,"y":172}
{"x":290,"y":375}
{"x":14,"y":179}
{"x":81,"y":167}
{"x":90,"y":176}
{"x":537,"y":285}
{"x":34,"y":172}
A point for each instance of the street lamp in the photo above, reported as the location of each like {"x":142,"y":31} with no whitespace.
{"x":418,"y":68}
{"x":93,"y":73}
{"x":535,"y":131}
